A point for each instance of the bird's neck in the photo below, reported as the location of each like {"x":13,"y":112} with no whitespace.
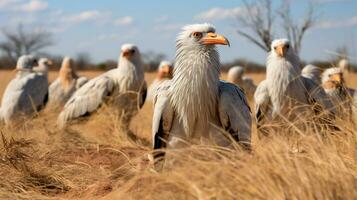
{"x":67,"y":76}
{"x":194,"y":90}
{"x":283,"y":77}
{"x":134,"y":69}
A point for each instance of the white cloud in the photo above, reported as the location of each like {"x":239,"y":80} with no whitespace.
{"x":84,"y":16}
{"x":127,"y":20}
{"x":220,"y":13}
{"x":34,"y":5}
{"x":25,"y":6}
{"x":338,"y":23}
{"x":8,"y":3}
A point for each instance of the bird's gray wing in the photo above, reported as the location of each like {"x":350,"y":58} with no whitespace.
{"x":10,"y":99}
{"x":162,"y":117}
{"x":234,"y":112}
{"x":81,"y":81}
{"x":161,"y":123}
{"x":152,"y":89}
{"x":317,"y":96}
{"x":262,"y":101}
{"x":86,"y":99}
{"x":25,"y":95}
{"x":55,"y":91}
{"x":143,"y":94}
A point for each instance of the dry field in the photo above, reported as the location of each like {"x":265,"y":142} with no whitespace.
{"x":94,"y":160}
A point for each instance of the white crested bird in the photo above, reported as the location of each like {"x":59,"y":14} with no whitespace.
{"x":285,"y":93}
{"x":43,"y":66}
{"x":312,"y":72}
{"x":195,"y":106}
{"x":342,"y":97}
{"x":164,"y":72}
{"x":66,"y":84}
{"x":27,"y":93}
{"x":122,"y":86}
{"x":235,"y":76}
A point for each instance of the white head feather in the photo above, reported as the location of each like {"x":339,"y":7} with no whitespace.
{"x":26,"y":63}
{"x":165,"y":63}
{"x":194,"y":90}
{"x":134,"y":59}
{"x":330,"y":71}
{"x":43,"y":65}
{"x":235,"y":74}
{"x":131,"y":65}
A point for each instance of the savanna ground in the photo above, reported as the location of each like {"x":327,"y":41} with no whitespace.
{"x":94,"y":160}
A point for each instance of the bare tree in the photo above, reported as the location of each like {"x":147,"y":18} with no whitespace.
{"x":152,"y":60}
{"x":83,"y":61}
{"x":295,"y":30}
{"x":19,"y":42}
{"x":260,"y":18}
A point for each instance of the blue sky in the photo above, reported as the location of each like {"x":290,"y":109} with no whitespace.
{"x":100,"y":27}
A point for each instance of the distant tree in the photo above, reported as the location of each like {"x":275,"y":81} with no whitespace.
{"x":152,"y":60}
{"x":261,"y":19}
{"x":19,"y":42}
{"x":83,"y":61}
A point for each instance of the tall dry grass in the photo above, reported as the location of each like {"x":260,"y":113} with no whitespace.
{"x":93,"y":159}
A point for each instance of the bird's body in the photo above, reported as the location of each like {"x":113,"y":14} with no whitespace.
{"x":235,"y":76}
{"x":341,"y":96}
{"x":312,"y":72}
{"x":285,"y":94}
{"x":25,"y":94}
{"x":195,"y":106}
{"x":128,"y":77}
{"x":66,"y":84}
{"x":164,"y":73}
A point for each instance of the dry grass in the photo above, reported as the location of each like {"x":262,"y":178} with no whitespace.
{"x":93,"y":160}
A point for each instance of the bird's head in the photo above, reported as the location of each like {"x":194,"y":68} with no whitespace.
{"x":130,"y":52}
{"x":200,"y":35}
{"x":45,"y":62}
{"x":235,"y":74}
{"x":43,"y":65}
{"x":26,"y":63}
{"x":281,"y":48}
{"x":165,"y":70}
{"x":332,"y":78}
{"x":67,"y":68}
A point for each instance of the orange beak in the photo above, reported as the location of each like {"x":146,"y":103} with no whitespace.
{"x":337,"y":78}
{"x":165,"y":72}
{"x":127,"y":54}
{"x":166,"y":69}
{"x":50,"y":62}
{"x":281,"y":50}
{"x":213,"y":38}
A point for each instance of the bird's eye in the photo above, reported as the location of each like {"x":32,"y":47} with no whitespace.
{"x":275,"y":48}
{"x":132,"y":51}
{"x":288,"y":46}
{"x":197,"y":35}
